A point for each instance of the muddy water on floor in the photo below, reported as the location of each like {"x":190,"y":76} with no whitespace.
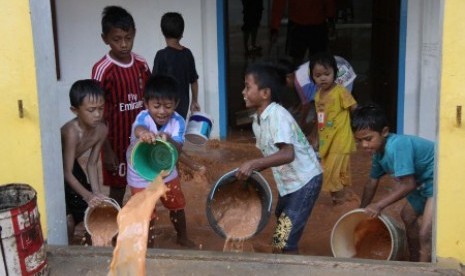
{"x":220,"y":157}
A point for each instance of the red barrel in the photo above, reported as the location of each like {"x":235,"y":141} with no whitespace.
{"x":22,"y":248}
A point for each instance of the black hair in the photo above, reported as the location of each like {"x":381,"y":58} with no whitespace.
{"x":172,"y":25}
{"x":83,"y":88}
{"x":268,"y":75}
{"x":323,"y":58}
{"x":116,"y":17}
{"x":161,"y":86}
{"x":369,"y":117}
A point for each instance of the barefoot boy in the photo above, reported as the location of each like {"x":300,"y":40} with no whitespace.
{"x":160,"y":120}
{"x":295,"y":167}
{"x":410,"y":160}
{"x":122,"y":75}
{"x":85,"y":132}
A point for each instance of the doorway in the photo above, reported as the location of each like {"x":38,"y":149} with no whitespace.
{"x":367,"y":35}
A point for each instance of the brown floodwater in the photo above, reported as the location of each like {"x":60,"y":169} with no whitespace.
{"x":372,"y":240}
{"x":102,"y":224}
{"x":237,"y":209}
{"x":133,"y":224}
{"x":220,"y":157}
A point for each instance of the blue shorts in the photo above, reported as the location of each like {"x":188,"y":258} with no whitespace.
{"x":417,"y":198}
{"x":292,"y":212}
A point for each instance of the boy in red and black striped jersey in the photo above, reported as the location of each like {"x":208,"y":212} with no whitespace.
{"x":122,"y":75}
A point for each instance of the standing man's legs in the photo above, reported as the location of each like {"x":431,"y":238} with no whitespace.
{"x":317,"y":39}
{"x":301,"y":38}
{"x":296,"y":42}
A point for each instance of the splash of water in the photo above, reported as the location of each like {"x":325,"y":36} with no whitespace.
{"x":133,"y":224}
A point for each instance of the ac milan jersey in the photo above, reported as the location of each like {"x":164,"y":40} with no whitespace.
{"x":123,"y":85}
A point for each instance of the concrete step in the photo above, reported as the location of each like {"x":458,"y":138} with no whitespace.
{"x":80,"y":260}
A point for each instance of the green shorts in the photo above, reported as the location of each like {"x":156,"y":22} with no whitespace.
{"x":418,"y":197}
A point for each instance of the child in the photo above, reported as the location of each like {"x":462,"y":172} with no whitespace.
{"x":293,"y":101}
{"x":290,"y":99}
{"x":296,"y":170}
{"x":85,"y":132}
{"x":177,"y":61}
{"x":410,"y":160}
{"x":159,"y":120}
{"x":333,"y":104}
{"x":122,"y":75}
{"x":306,"y":89}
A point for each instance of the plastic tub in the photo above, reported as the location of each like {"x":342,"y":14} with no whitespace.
{"x":149,"y":160}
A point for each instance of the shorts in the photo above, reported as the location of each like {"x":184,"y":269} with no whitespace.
{"x":75,"y":204}
{"x":417,"y":198}
{"x":116,"y":179}
{"x":173,"y":200}
{"x":292,"y":212}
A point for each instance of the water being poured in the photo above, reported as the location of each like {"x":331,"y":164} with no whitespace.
{"x":133,"y":224}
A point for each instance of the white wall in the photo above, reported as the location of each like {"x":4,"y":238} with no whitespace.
{"x":80,"y":45}
{"x":422,"y":69}
{"x":49,"y":126}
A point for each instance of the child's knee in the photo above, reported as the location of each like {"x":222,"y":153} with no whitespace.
{"x":408,"y":215}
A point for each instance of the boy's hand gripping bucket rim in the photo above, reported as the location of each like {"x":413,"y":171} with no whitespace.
{"x":265,"y":195}
{"x":342,"y":235}
{"x":106,"y":202}
{"x":149,"y":160}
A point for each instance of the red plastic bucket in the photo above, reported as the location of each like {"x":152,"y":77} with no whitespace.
{"x":22,"y":248}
